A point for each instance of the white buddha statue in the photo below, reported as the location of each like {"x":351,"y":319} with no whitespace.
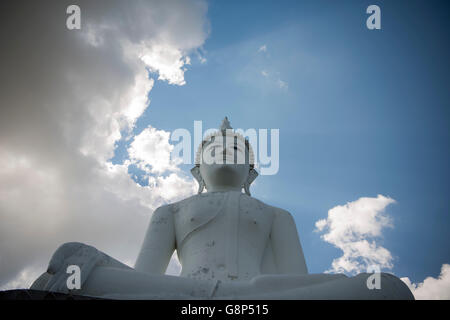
{"x":230,"y":245}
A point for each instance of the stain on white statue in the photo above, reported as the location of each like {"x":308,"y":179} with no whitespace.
{"x":230,"y":245}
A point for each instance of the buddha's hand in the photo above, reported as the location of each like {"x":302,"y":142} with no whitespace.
{"x":85,"y":257}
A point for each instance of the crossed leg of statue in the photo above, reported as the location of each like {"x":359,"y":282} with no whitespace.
{"x":103,"y":276}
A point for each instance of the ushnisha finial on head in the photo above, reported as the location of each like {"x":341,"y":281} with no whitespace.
{"x":225,"y":130}
{"x":225,"y":125}
{"x":228,"y":176}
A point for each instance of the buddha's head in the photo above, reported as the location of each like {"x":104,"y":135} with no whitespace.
{"x":224,"y":161}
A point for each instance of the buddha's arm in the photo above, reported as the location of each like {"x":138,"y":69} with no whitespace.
{"x":287,"y":250}
{"x":159,"y":243}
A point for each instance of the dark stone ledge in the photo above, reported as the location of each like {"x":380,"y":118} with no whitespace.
{"x":28,"y":294}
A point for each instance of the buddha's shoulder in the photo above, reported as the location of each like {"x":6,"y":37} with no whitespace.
{"x":249,"y":200}
{"x":196,"y":198}
{"x":246,"y":203}
{"x":266,"y":207}
{"x":179,"y":205}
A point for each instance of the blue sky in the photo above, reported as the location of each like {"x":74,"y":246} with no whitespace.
{"x":365,"y":112}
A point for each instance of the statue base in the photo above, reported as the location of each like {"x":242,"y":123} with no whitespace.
{"x":28,"y":294}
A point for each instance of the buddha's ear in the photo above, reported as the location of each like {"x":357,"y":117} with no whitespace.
{"x":197,"y":175}
{"x":252,"y":174}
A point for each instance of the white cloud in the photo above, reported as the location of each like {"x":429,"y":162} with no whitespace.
{"x":200,"y":53}
{"x":136,"y":100}
{"x":202,"y":59}
{"x":282,"y":84}
{"x":62,"y":110}
{"x":274,"y":80}
{"x":23,"y":280}
{"x":432,"y":288}
{"x":151,"y":150}
{"x":174,"y":187}
{"x":168,"y":62}
{"x":353,"y":228}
